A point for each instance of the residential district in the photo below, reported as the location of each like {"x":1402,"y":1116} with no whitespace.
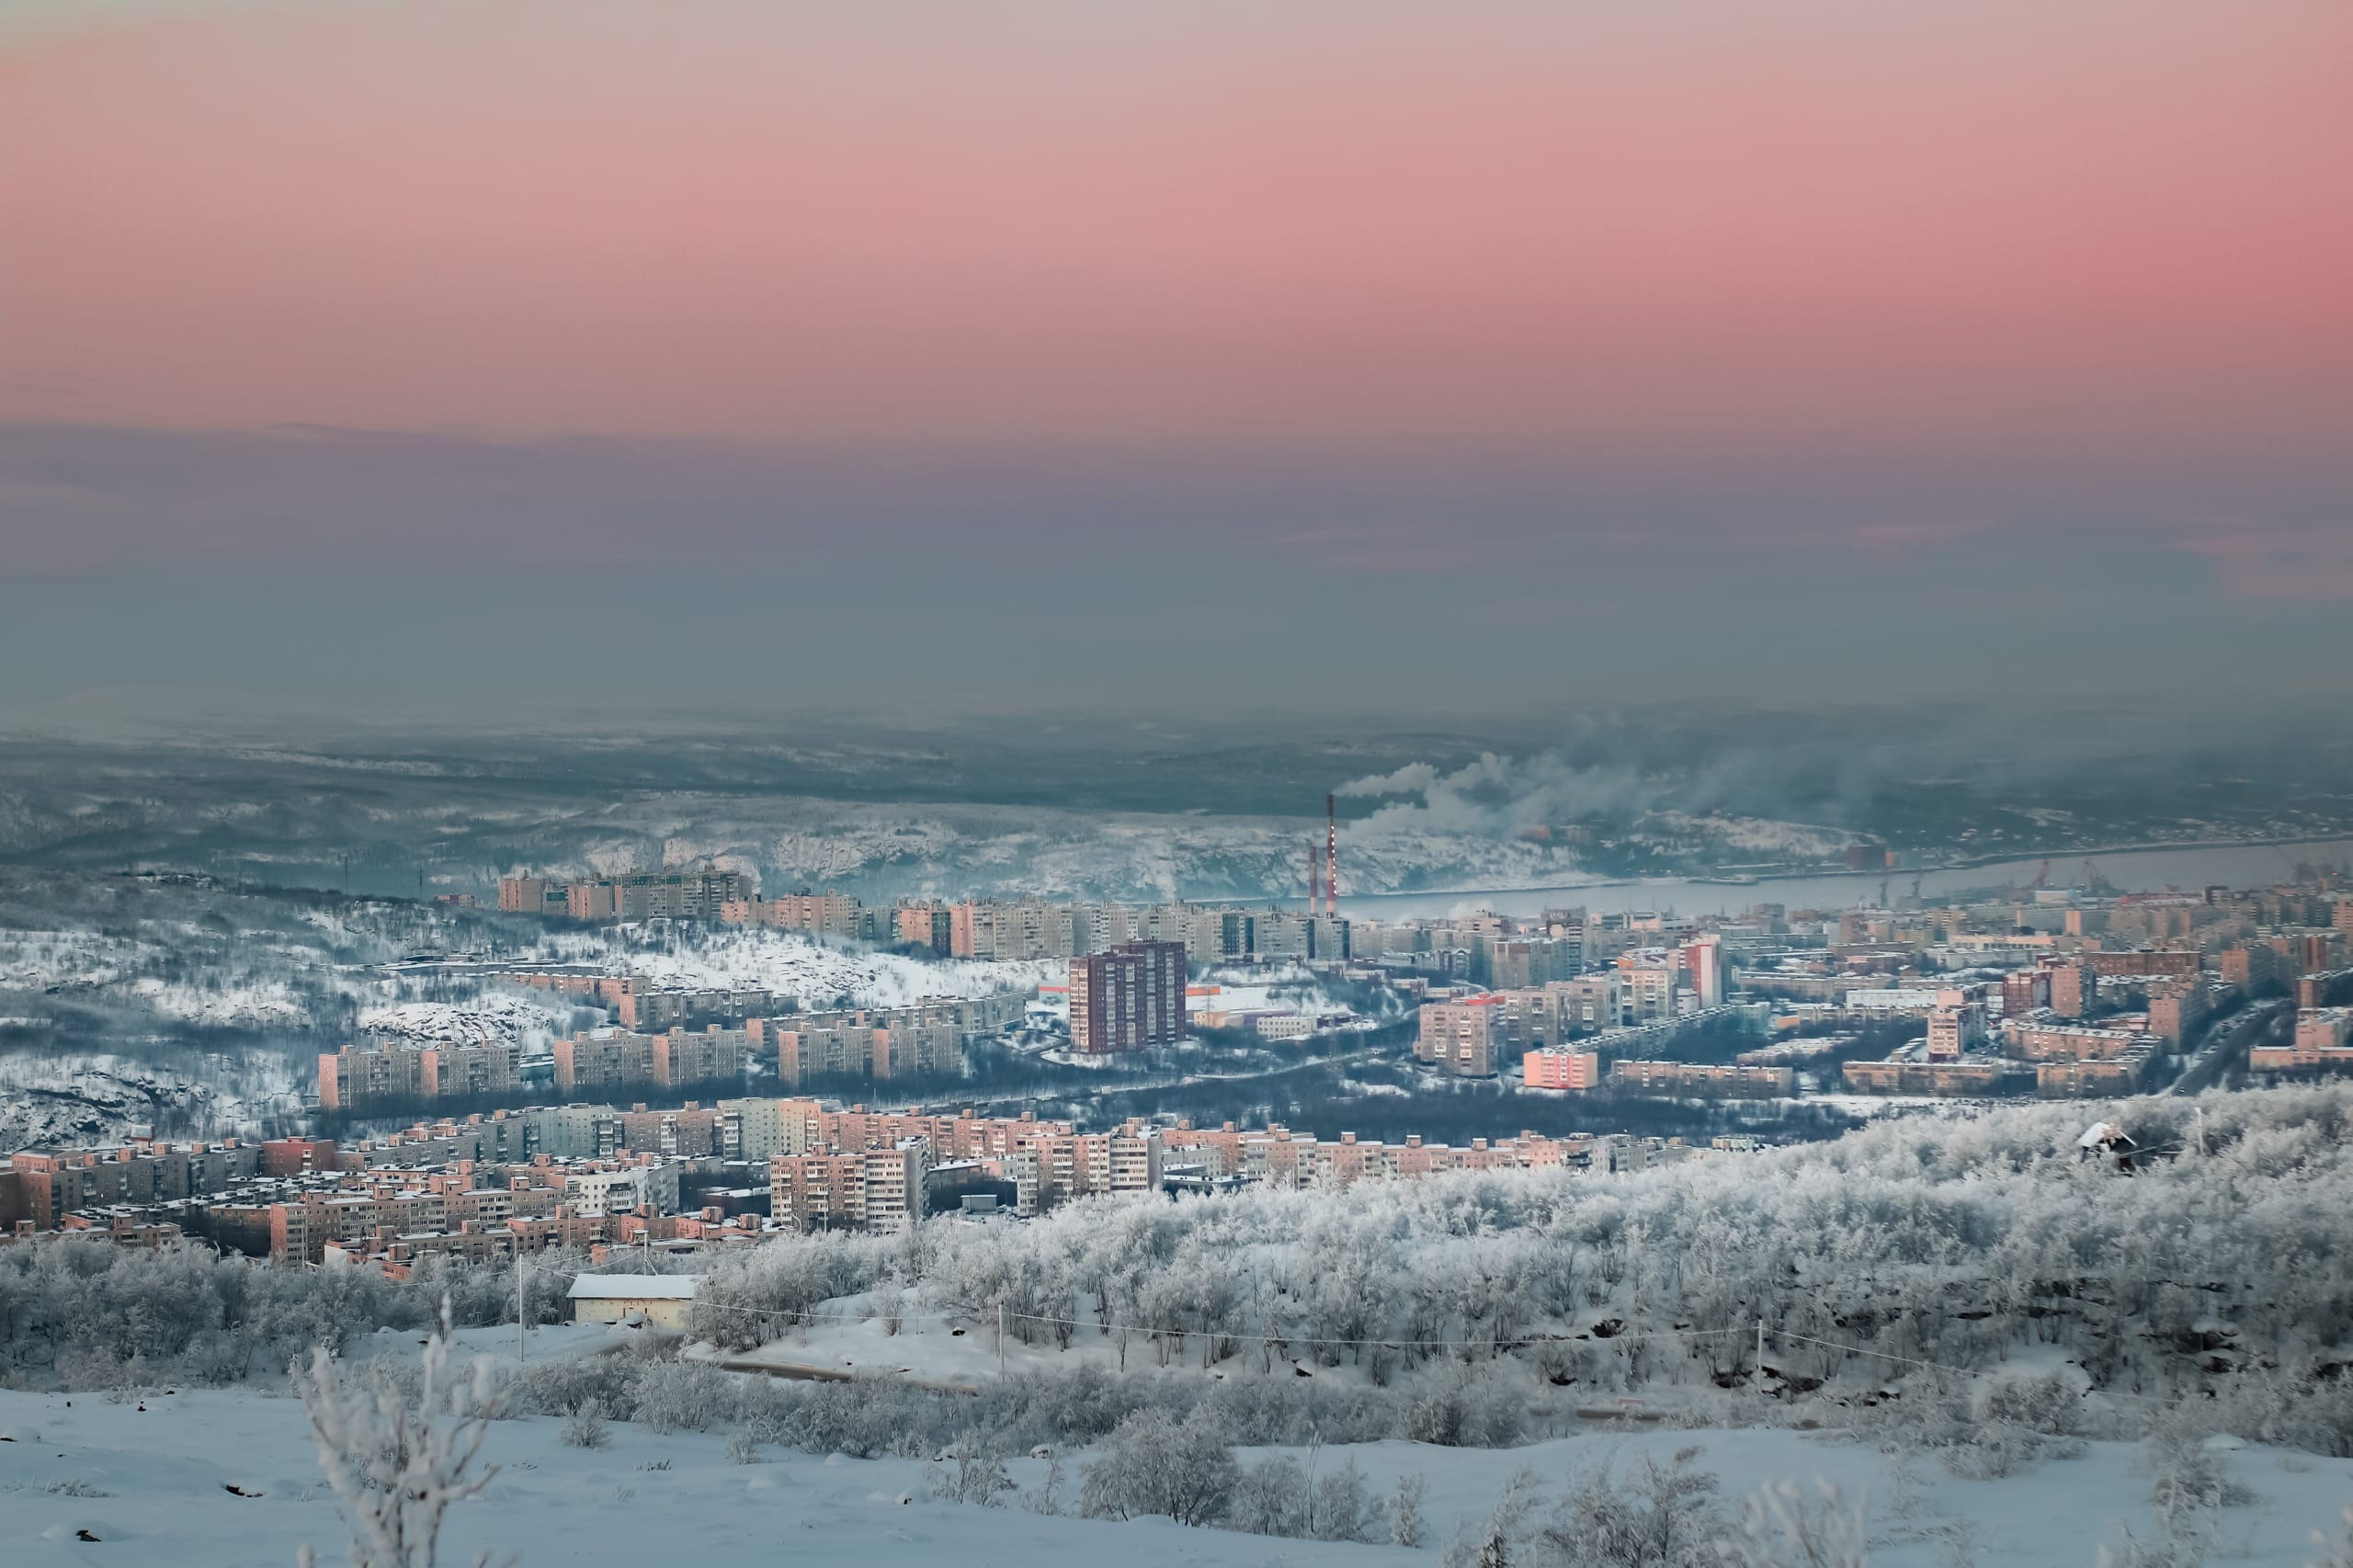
{"x":481,"y":1147}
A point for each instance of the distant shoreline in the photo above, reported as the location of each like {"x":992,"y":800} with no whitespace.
{"x":2004,"y":857}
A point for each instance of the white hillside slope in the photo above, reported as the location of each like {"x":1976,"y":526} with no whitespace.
{"x":153,"y":1485}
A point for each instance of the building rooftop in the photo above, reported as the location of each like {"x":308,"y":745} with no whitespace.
{"x":632,"y":1287}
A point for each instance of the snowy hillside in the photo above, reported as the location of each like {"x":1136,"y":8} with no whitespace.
{"x":84,"y":1099}
{"x":814,"y":972}
{"x":494,"y":1019}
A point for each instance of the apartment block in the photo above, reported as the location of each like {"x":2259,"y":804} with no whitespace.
{"x":1458,"y":1038}
{"x":1555,"y":1068}
{"x":1129,"y":997}
{"x":1706,"y":1079}
{"x":606,"y":1059}
{"x":2043,"y":1036}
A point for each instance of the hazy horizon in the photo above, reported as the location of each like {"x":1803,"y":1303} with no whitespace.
{"x":476,"y":359}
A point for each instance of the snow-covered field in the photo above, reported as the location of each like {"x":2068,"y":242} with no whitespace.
{"x":150,"y":1481}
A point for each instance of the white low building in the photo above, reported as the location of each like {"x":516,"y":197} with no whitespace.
{"x":661,"y":1299}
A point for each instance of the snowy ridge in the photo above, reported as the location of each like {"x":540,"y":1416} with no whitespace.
{"x":816,"y":973}
{"x":86,"y":1099}
{"x":490,"y":1020}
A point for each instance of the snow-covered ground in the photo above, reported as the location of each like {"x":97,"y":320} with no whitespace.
{"x":83,"y":1099}
{"x":149,"y":1481}
{"x":816,"y":973}
{"x":500,"y":1017}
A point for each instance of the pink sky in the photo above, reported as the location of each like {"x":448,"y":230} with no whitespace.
{"x":1207,"y":228}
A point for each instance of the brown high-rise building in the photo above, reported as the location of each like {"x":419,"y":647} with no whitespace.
{"x":1128,"y":997}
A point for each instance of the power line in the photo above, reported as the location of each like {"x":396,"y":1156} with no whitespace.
{"x":1932,"y":1366}
{"x":802,"y":1319}
{"x":797,"y":1319}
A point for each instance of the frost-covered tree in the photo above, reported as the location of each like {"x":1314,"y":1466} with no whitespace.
{"x":1662,"y":1515}
{"x":1406,"y":1525}
{"x":397,"y":1461}
{"x":1153,"y":1463}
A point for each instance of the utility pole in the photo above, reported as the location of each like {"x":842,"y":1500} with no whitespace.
{"x":519,"y":1266}
{"x":1000,"y":1341}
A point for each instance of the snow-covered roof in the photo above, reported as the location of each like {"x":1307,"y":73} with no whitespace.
{"x":633,"y":1288}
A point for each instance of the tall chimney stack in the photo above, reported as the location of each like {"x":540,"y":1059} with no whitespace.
{"x":1330,"y":856}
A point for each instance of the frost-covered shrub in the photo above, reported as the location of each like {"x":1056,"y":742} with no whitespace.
{"x":1405,"y":1524}
{"x":1342,"y":1507}
{"x":678,"y":1396}
{"x":1271,"y":1498}
{"x":1792,"y":1527}
{"x":1988,"y":1450}
{"x":2176,"y":1544}
{"x":1502,"y":1540}
{"x":2294,"y":1411}
{"x":94,"y":1369}
{"x":585,"y":1427}
{"x":1153,"y":1464}
{"x":1468,"y":1413}
{"x":2051,"y":1404}
{"x":216,"y":1356}
{"x":2190,"y":1474}
{"x":861,"y":1419}
{"x":970,"y":1470}
{"x":570,"y":1384}
{"x":1661,"y":1516}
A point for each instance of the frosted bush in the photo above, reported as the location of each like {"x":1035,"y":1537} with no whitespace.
{"x":2051,"y":1404}
{"x":1662,"y":1515}
{"x":1477,"y":1412}
{"x":1405,"y":1524}
{"x":1271,"y":1498}
{"x":569,"y":1385}
{"x":677,"y":1397}
{"x":1153,"y":1464}
{"x":1988,"y":1450}
{"x":1342,"y":1507}
{"x":1659,"y":1516}
{"x":970,"y":1470}
{"x":2189,"y":1475}
{"x":584,"y":1428}
{"x":1502,"y":1540}
{"x":1792,"y":1527}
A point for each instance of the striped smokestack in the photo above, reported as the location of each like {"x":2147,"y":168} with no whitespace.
{"x":1330,"y":856}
